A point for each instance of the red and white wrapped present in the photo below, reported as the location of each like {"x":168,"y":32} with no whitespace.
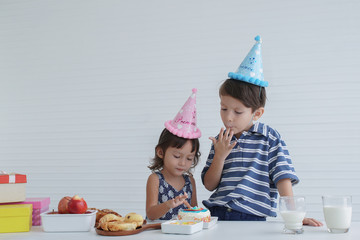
{"x":12,"y":187}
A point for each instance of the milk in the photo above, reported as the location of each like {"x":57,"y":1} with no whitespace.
{"x":337,"y":217}
{"x":293,"y":219}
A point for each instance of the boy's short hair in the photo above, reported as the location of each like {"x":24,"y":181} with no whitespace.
{"x":252,"y":96}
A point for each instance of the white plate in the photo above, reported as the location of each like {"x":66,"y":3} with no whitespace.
{"x":210,"y":224}
{"x":170,"y":227}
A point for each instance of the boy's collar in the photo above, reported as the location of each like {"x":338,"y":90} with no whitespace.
{"x":257,"y":127}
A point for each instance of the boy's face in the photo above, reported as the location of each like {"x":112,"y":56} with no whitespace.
{"x":236,"y":116}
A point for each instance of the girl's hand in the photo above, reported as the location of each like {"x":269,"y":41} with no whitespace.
{"x":172,"y":203}
{"x":222,"y":145}
{"x":312,"y":222}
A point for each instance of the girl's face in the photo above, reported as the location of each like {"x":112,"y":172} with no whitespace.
{"x":236,"y":116}
{"x":177,"y":160}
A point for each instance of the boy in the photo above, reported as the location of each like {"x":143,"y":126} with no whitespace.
{"x":248,"y":163}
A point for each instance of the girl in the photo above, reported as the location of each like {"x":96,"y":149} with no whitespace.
{"x":171,"y":186}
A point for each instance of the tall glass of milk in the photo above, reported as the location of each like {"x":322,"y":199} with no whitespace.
{"x":292,"y":210}
{"x":337,"y":213}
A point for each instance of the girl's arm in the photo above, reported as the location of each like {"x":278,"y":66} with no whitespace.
{"x":284,"y":187}
{"x":194,"y":197}
{"x":153,"y":209}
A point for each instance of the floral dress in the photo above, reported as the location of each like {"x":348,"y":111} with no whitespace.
{"x":167,"y":192}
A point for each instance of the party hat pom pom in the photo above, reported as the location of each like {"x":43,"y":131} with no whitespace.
{"x":258,"y":38}
{"x":194,"y":90}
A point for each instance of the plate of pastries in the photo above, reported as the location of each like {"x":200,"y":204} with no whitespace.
{"x":110,"y":223}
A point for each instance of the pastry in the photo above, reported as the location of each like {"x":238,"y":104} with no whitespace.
{"x":103,"y":222}
{"x":121,"y":226}
{"x":134,"y":217}
{"x":103,"y":212}
{"x":112,"y":222}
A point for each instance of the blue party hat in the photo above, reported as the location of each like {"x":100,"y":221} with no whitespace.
{"x":251,"y":69}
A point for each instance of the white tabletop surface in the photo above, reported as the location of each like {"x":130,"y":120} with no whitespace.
{"x":221,"y":231}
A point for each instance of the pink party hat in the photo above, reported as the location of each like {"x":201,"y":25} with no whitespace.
{"x":184,"y":124}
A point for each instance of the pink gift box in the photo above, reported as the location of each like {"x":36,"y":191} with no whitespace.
{"x":40,"y":205}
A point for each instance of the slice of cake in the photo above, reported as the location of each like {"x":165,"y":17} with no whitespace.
{"x":194,"y":214}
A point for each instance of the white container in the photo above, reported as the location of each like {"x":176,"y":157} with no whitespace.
{"x":177,"y":227}
{"x":68,"y":222}
{"x":213,"y":221}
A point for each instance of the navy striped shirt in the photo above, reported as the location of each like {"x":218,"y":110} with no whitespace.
{"x":248,"y":182}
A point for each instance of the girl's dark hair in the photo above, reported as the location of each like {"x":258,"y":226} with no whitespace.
{"x":252,"y":96}
{"x":166,"y":140}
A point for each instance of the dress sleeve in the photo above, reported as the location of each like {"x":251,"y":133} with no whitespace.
{"x":280,"y":164}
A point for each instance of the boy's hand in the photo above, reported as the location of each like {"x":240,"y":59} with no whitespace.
{"x":172,"y":203}
{"x":312,"y":222}
{"x":222,"y":145}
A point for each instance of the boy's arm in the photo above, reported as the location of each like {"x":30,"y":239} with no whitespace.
{"x":213,"y":175}
{"x":222,"y":148}
{"x":284,"y":187}
{"x":194,"y":196}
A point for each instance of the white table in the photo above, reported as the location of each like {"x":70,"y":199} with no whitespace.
{"x":221,"y":231}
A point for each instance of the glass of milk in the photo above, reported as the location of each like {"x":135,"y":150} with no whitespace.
{"x":337,"y":213}
{"x":292,"y":210}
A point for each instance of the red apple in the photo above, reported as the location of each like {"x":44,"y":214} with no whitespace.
{"x":63,"y":205}
{"x":77,"y":205}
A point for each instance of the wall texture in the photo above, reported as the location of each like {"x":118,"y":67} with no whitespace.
{"x":85,"y":87}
